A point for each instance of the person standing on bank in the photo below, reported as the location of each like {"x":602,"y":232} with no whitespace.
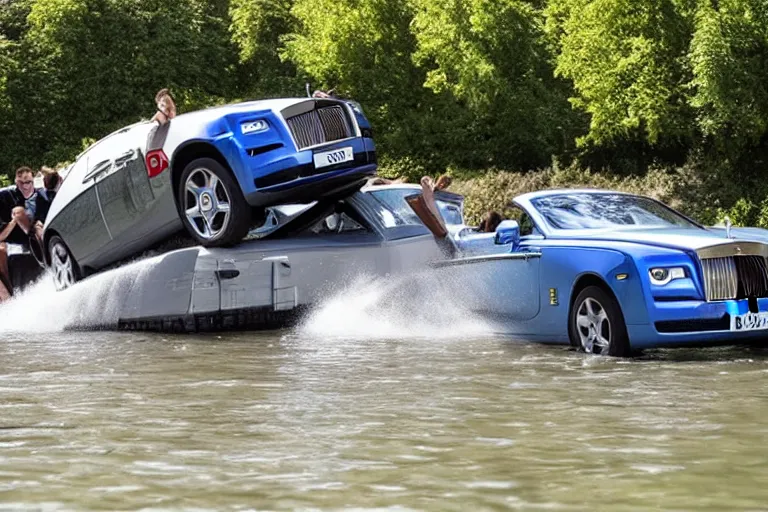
{"x":22,"y":207}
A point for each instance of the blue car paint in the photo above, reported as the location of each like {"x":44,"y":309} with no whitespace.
{"x":225,"y":135}
{"x":605,"y":255}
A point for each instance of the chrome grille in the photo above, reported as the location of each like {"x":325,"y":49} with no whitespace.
{"x":753,"y":276}
{"x":732,"y":277}
{"x":325,"y":124}
{"x":720,"y":278}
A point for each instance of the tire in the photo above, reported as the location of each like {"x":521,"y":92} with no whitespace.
{"x":204,"y":188}
{"x":66,"y":271}
{"x":596,"y":324}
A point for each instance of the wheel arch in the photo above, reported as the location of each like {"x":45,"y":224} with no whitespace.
{"x":591,"y":279}
{"x":188,"y":152}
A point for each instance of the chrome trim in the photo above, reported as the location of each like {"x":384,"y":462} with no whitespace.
{"x":733,"y":249}
{"x":317,"y":146}
{"x":720,"y":278}
{"x":487,"y":257}
{"x":356,"y":131}
{"x":734,"y":269}
{"x":98,"y":201}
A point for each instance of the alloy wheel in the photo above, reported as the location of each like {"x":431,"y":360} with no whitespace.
{"x":63,"y":266}
{"x":593,"y":326}
{"x":206,"y":203}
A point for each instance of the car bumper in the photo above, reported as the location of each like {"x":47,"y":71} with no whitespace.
{"x":696,"y":323}
{"x":281,"y":174}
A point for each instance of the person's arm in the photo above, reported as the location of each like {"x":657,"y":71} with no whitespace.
{"x":7,"y":230}
{"x":160,"y":118}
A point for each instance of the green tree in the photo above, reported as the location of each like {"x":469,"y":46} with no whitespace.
{"x":628,"y":63}
{"x":257,"y":29}
{"x":491,"y":55}
{"x":728,"y":55}
{"x":363,"y":49}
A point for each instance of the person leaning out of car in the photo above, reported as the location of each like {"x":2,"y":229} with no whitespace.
{"x":166,"y":107}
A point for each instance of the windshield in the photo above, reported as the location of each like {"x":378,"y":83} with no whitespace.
{"x":582,"y":210}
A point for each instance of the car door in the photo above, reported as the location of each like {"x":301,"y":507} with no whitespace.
{"x":504,"y":286}
{"x":284,"y":273}
{"x":80,"y":223}
{"x":134,"y":207}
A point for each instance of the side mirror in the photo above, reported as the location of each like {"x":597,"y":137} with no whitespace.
{"x":508,"y":232}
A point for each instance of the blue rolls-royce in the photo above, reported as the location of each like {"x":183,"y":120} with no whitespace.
{"x":211,"y":172}
{"x":611,"y":272}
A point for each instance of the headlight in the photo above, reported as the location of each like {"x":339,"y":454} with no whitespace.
{"x":254,"y":127}
{"x":662,"y":275}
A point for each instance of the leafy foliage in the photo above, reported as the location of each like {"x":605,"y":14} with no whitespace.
{"x":631,"y":85}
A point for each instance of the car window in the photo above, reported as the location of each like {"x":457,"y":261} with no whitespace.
{"x":451,"y":213}
{"x":579,"y":210}
{"x":336,"y":223}
{"x":393,"y":210}
{"x":527,"y":227}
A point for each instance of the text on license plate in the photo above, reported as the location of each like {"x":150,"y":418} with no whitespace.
{"x":337,"y":156}
{"x":749,"y":322}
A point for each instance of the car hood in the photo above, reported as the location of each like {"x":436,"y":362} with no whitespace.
{"x":675,"y":238}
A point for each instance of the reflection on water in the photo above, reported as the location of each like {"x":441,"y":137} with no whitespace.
{"x":293,"y":420}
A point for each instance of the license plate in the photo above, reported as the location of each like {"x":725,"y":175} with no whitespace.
{"x":337,"y":156}
{"x":749,"y":322}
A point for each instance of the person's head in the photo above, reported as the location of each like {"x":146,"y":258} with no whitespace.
{"x":25,"y":181}
{"x":443,"y":182}
{"x":165,"y":103}
{"x":490,"y":222}
{"x":51,"y":178}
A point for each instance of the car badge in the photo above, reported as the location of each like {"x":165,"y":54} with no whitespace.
{"x":738,"y":249}
{"x":728,"y":228}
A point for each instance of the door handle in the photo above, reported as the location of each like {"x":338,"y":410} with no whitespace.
{"x":227,"y":274}
{"x":125,"y":157}
{"x":101,"y":167}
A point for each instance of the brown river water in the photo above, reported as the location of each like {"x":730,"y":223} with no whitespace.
{"x":362,"y":409}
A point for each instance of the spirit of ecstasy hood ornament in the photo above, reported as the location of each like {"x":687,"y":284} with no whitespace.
{"x":728,"y":228}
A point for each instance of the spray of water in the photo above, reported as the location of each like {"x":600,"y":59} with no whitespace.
{"x":93,"y":303}
{"x":419,"y":305}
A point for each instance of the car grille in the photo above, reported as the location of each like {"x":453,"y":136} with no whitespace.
{"x":735,"y":277}
{"x":325,"y":124}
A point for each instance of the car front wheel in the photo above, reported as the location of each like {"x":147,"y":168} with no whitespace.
{"x":212,"y":205}
{"x":63,"y":264}
{"x":596,"y":325}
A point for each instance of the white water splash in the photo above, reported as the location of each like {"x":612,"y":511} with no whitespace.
{"x":92,"y":303}
{"x":411,"y":306}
